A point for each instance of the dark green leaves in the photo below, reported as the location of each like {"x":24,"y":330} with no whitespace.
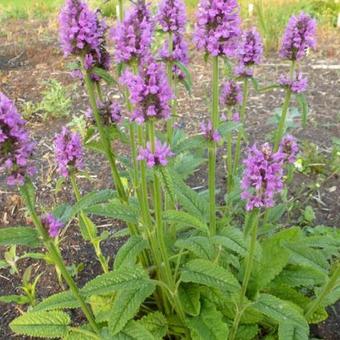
{"x":24,"y":236}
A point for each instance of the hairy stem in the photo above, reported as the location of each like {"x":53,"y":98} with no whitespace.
{"x":57,"y":259}
{"x":170,"y":122}
{"x":229,"y":155}
{"x":254,"y":217}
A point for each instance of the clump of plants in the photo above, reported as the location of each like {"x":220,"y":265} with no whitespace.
{"x":192,"y":267}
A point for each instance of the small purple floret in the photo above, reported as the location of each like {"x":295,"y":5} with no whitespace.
{"x":171,"y":16}
{"x":298,"y":37}
{"x":250,"y":50}
{"x":231,"y":94}
{"x":218,"y":27}
{"x":262,"y":177}
{"x":209,"y":133}
{"x":149,"y":92}
{"x":298,"y":85}
{"x":158,"y":157}
{"x":69,"y":152}
{"x":132,"y":37}
{"x":51,"y":224}
{"x":16,"y":148}
{"x":289,"y":148}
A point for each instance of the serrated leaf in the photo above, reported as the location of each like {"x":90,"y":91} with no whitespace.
{"x":128,"y":253}
{"x":289,"y":331}
{"x":247,"y":332}
{"x":231,"y":239}
{"x":155,"y":323}
{"x":115,"y":209}
{"x":134,"y":331}
{"x":53,"y":324}
{"x":207,"y":273}
{"x":107,"y":77}
{"x":126,"y":305}
{"x":87,"y":201}
{"x":19,"y":299}
{"x":198,"y":245}
{"x":58,"y":301}
{"x":208,"y":325}
{"x":167,"y":183}
{"x":24,"y":236}
{"x":185,"y":220}
{"x":124,"y":278}
{"x":279,"y":310}
{"x":189,"y":295}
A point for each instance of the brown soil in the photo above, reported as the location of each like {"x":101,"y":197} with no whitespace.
{"x":30,"y":55}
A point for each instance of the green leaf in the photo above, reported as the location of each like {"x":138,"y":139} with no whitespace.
{"x":247,"y":332}
{"x":104,"y":75}
{"x":24,"y":236}
{"x":231,"y":239}
{"x":155,"y":323}
{"x":198,"y":245}
{"x":19,"y":299}
{"x":134,"y":331}
{"x":279,"y":310}
{"x":126,"y":305}
{"x":124,"y":278}
{"x":189,"y":295}
{"x":290,"y":331}
{"x":209,"y":274}
{"x":187,"y":76}
{"x":42,"y":324}
{"x":167,"y":183}
{"x":128,"y":253}
{"x":208,"y":325}
{"x":58,"y":301}
{"x":185,"y":220}
{"x":115,"y":209}
{"x":3,"y":264}
{"x":227,"y":127}
{"x":302,"y":101}
{"x":87,"y":201}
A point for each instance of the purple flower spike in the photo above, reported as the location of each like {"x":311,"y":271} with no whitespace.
{"x":250,"y":50}
{"x":149,"y":92}
{"x":171,"y":16}
{"x":289,"y":148}
{"x":80,"y":29}
{"x":133,"y":36}
{"x":231,"y":94}
{"x":69,"y":152}
{"x":180,"y":53}
{"x":218,"y":27}
{"x":298,"y":37}
{"x":262,"y":177}
{"x":51,"y":224}
{"x":16,"y":147}
{"x":159,"y":157}
{"x":209,"y":133}
{"x":297,"y":85}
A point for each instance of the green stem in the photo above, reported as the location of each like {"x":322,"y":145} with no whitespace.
{"x":254,"y":216}
{"x":57,"y":259}
{"x":325,"y":291}
{"x":230,"y":155}
{"x":105,"y":139}
{"x":120,"y":10}
{"x":281,"y":127}
{"x":170,"y":122}
{"x":212,"y":147}
{"x":242,"y":120}
{"x":92,"y":234}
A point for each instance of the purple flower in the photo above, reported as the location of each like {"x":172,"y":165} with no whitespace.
{"x":289,"y":148}
{"x":250,"y":49}
{"x":16,"y":147}
{"x":243,"y":71}
{"x":218,"y":27}
{"x":172,"y":16}
{"x":231,"y":94}
{"x":262,"y":177}
{"x":209,"y":133}
{"x":298,"y":37}
{"x":158,"y":157}
{"x":179,"y":53}
{"x":149,"y":92}
{"x":69,"y":152}
{"x":133,"y":36}
{"x":80,"y":28}
{"x":51,"y":224}
{"x":298,"y":85}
